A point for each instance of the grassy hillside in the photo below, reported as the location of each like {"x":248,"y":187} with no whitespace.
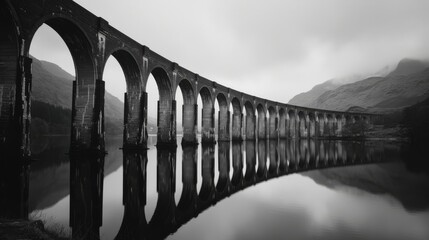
{"x":52,"y":96}
{"x":405,"y":86}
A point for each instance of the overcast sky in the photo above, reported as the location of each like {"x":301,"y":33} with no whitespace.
{"x":272,"y":49}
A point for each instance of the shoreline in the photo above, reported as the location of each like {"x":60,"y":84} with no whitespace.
{"x":12,"y":229}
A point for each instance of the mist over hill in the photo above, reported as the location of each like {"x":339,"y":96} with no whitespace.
{"x":406,"y":85}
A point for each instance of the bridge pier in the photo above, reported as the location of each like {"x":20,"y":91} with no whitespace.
{"x":302,"y":127}
{"x":316,"y":127}
{"x":135,"y":132}
{"x":250,"y":127}
{"x":166,"y":122}
{"x":282,"y":125}
{"x":272,"y":127}
{"x":321,"y":125}
{"x":311,"y":128}
{"x":189,"y":123}
{"x":15,"y":103}
{"x":223,"y":125}
{"x":87,"y":131}
{"x":207,"y":130}
{"x":15,"y":119}
{"x":261,"y":127}
{"x":292,"y":126}
{"x":236,"y":126}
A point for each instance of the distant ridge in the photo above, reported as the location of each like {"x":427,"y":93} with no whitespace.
{"x":406,"y":85}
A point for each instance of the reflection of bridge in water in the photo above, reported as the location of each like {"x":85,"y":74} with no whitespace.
{"x":240,"y":165}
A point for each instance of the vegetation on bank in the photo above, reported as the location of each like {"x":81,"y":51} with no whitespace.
{"x":48,"y":119}
{"x":25,"y":229}
{"x":411,"y":122}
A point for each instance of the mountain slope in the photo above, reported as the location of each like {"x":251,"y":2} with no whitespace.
{"x":406,"y":85}
{"x":306,"y":98}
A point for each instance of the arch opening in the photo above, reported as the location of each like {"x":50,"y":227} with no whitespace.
{"x":302,"y":126}
{"x":312,"y":127}
{"x":261,"y":121}
{"x":62,"y":116}
{"x":187,"y":118}
{"x":237,"y":114}
{"x":160,"y":119}
{"x":123,"y":98}
{"x":87,"y":126}
{"x":207,"y":116}
{"x":250,"y":121}
{"x":292,"y":122}
{"x":223,"y":118}
{"x":282,"y":124}
{"x":9,"y":52}
{"x":272,"y":123}
{"x":320,"y":124}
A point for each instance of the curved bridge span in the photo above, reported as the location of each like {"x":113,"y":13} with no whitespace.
{"x":92,"y":41}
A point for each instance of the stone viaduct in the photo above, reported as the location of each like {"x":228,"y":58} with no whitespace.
{"x":91,"y":41}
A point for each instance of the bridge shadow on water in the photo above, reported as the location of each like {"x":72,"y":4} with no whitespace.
{"x":240,"y":165}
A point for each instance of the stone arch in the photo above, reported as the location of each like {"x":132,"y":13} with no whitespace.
{"x":321,"y":124}
{"x":187,"y":92}
{"x":302,"y":126}
{"x":339,"y":124}
{"x":236,"y":119}
{"x":189,"y":112}
{"x":261,"y":121}
{"x":15,"y":79}
{"x":272,"y":122}
{"x":166,"y":133}
{"x":250,"y":120}
{"x":129,"y":66}
{"x":312,"y":127}
{"x":282,"y":124}
{"x":292,"y":122}
{"x":223,"y":102}
{"x":207,"y":121}
{"x":163,"y":83}
{"x":133,"y":120}
{"x":78,"y":43}
{"x":10,"y":81}
{"x":223,"y":117}
{"x":87,"y":126}
{"x":329,"y":125}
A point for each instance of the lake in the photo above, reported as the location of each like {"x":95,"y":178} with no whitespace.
{"x":294,"y":189}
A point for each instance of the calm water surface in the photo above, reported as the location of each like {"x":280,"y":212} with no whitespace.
{"x":370,"y":200}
